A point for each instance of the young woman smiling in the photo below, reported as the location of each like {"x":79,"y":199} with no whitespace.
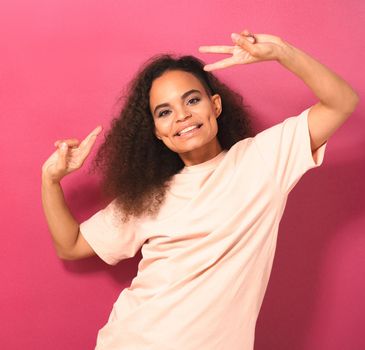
{"x":197,"y":192}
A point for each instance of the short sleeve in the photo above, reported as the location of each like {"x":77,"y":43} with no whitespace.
{"x":111,"y":239}
{"x":285,"y":149}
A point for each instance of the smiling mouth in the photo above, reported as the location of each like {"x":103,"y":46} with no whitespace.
{"x":190,"y":131}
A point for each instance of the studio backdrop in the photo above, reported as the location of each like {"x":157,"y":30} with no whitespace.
{"x":64,"y":66}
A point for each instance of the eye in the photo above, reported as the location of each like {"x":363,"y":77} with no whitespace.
{"x":161,"y":114}
{"x":193,"y":100}
{"x":197,"y":99}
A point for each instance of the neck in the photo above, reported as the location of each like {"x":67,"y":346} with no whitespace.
{"x":202,"y":154}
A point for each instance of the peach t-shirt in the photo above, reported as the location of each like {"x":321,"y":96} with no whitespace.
{"x":208,"y":255}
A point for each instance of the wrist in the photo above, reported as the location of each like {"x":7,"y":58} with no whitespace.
{"x":48,"y":181}
{"x":285,"y":52}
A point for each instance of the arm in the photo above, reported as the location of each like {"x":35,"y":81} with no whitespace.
{"x":68,"y":241}
{"x":69,"y":156}
{"x":337,"y":100}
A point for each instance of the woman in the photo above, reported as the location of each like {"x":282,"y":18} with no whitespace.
{"x":197,"y":192}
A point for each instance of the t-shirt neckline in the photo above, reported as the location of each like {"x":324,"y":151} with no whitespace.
{"x":207,"y":165}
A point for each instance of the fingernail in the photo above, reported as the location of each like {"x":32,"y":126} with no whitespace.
{"x":235,"y":36}
{"x":64,"y":145}
{"x":251,"y":39}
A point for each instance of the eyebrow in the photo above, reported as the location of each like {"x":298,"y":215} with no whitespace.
{"x":184,"y":95}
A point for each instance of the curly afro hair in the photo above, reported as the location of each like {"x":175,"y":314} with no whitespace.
{"x":136,"y":166}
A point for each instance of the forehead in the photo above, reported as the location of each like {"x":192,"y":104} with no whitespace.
{"x":173,"y":84}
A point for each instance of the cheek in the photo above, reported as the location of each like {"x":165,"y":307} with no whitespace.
{"x":163,"y":128}
{"x":158,"y":129}
{"x":210,"y":111}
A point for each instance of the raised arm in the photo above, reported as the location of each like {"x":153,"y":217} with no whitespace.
{"x":337,"y":99}
{"x":69,"y":156}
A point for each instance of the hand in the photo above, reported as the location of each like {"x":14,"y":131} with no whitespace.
{"x":69,"y":156}
{"x":248,"y":48}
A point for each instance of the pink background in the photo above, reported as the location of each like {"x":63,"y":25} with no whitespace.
{"x":63,"y":65}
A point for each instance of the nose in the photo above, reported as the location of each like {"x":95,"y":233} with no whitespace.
{"x":183,"y":114}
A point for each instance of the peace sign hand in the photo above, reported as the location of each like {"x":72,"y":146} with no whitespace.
{"x":69,"y":156}
{"x":248,"y":49}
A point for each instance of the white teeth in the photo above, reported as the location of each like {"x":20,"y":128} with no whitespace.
{"x":187,"y":129}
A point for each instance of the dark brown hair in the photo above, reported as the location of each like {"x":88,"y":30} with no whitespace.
{"x":136,"y":166}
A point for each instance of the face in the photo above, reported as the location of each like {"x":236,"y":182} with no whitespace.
{"x":179,"y":100}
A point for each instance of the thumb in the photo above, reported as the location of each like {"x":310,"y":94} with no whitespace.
{"x":243,"y":40}
{"x":251,"y":39}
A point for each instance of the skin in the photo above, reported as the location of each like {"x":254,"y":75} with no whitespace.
{"x":337,"y":101}
{"x":169,"y":88}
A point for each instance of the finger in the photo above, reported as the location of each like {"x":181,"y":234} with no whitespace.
{"x":70,"y":142}
{"x":245,"y":32}
{"x":85,"y":151}
{"x":92,"y":135}
{"x":241,"y":40}
{"x":227,"y":62}
{"x":216,"y":49}
{"x":251,"y":38}
{"x":62,"y":155}
{"x":89,"y":142}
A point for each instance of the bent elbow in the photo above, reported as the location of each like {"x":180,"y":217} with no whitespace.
{"x":349,"y":102}
{"x":65,"y":255}
{"x":354,"y":102}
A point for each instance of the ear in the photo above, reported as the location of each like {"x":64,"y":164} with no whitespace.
{"x":217,"y":104}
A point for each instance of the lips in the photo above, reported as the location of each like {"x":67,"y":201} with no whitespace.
{"x":187,"y":126}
